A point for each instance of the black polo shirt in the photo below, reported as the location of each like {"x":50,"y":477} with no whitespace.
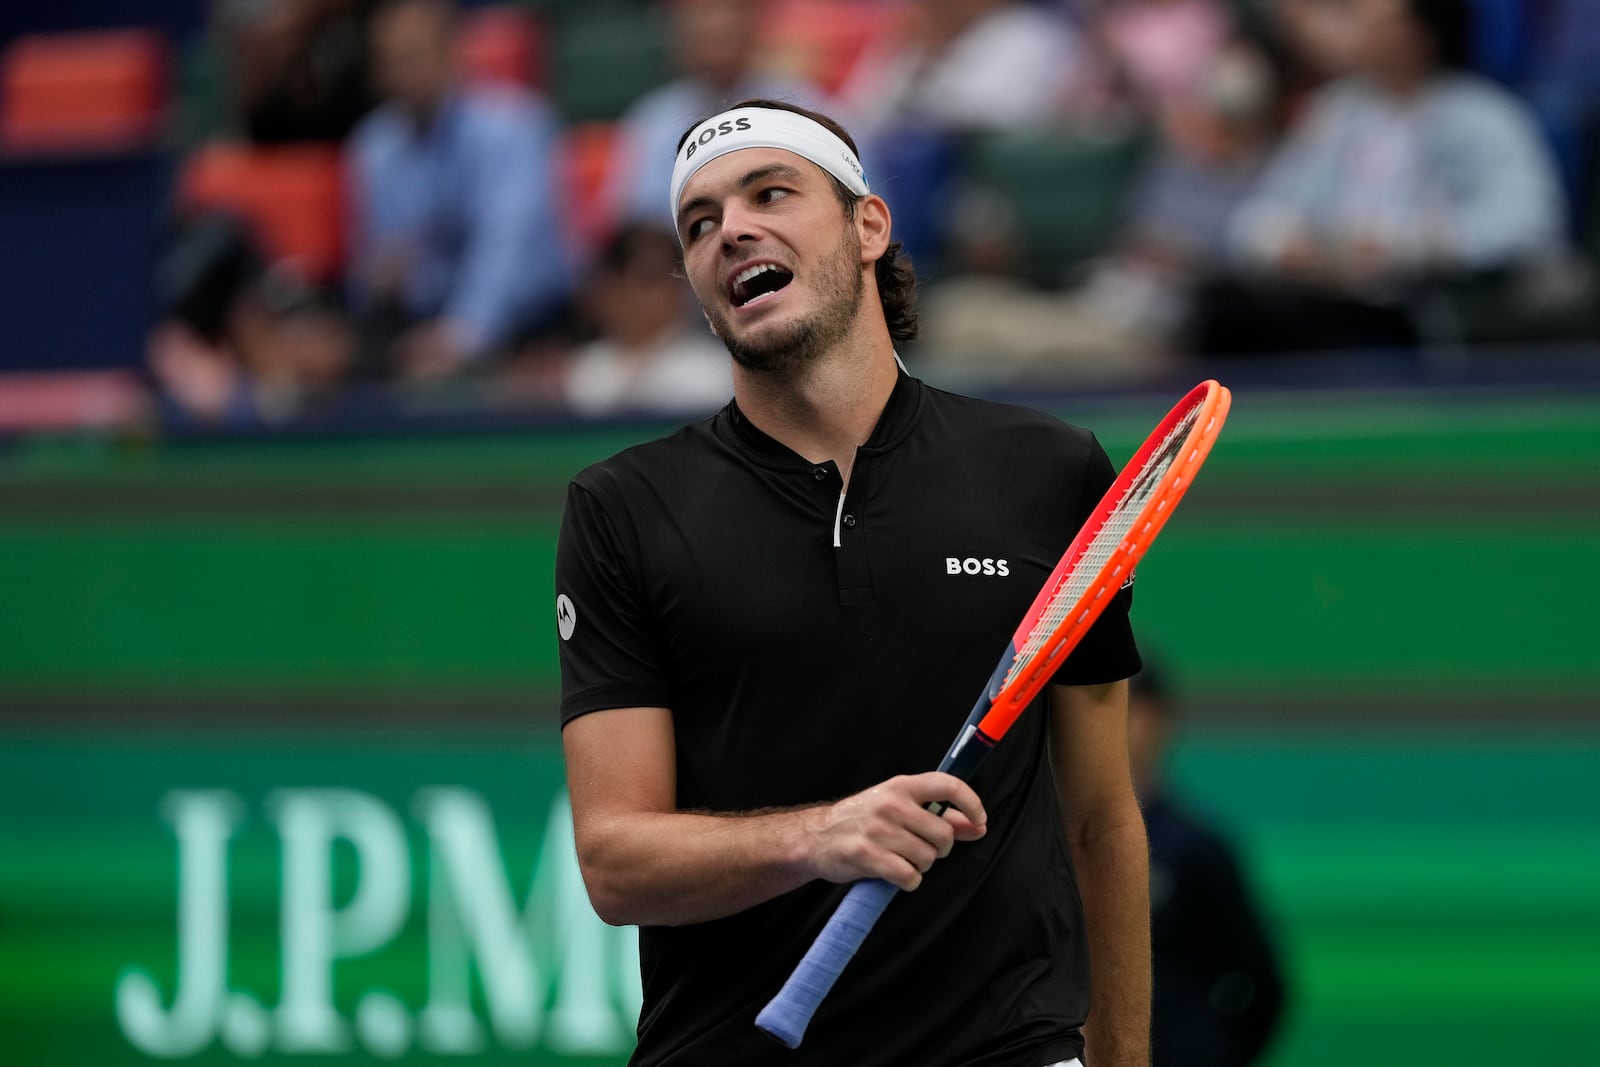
{"x":810,"y":647}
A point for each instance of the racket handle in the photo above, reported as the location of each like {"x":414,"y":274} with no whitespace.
{"x":786,"y":1016}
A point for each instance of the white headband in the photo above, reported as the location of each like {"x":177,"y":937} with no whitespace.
{"x":765,"y":127}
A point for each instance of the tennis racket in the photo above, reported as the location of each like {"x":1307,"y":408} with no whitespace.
{"x":1099,"y":561}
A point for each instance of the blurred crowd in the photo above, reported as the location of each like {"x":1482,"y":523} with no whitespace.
{"x":1092,"y":190}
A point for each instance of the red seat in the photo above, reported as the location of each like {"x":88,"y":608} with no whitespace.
{"x":84,"y":92}
{"x":588,"y":150}
{"x":823,"y":39}
{"x":292,"y":194}
{"x":502,"y":45}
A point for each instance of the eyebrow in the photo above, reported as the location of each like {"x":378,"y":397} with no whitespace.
{"x":760,"y":174}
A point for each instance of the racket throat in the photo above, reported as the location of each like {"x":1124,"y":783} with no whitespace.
{"x":968,"y":751}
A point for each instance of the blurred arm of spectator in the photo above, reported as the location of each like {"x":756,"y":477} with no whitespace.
{"x":1506,"y":202}
{"x":513,"y":258}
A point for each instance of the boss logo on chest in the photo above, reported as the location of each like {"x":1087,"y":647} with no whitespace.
{"x":973,"y":565}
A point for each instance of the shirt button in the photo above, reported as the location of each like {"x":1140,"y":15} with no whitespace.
{"x":820,"y":473}
{"x":850,"y":520}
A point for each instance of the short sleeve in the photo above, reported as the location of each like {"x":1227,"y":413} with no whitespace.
{"x":1108,"y":652}
{"x":609,"y":650}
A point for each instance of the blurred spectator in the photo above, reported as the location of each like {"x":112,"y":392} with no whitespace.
{"x":967,"y":65}
{"x":715,"y":48}
{"x":298,"y":67}
{"x":1161,"y":49}
{"x":1124,"y":319}
{"x":240,"y":342}
{"x":1323,"y":36}
{"x":1219,"y":988}
{"x":1405,"y":173}
{"x":457,"y":249}
{"x":646,"y":359}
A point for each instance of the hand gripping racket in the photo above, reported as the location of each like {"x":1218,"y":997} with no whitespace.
{"x":1097,"y":563}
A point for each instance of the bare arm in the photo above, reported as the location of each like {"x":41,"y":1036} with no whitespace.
{"x":647,"y":863}
{"x":1105,"y":832}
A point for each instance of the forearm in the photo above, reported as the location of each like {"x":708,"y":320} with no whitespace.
{"x":1113,"y":871}
{"x":674,"y":868}
{"x":646,"y":862}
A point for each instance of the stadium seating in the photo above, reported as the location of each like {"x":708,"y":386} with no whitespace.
{"x":292,"y":194}
{"x":504,"y":45}
{"x":93,"y":92}
{"x":823,"y":39}
{"x":1069,"y":192}
{"x":605,"y":58}
{"x":587,"y":152}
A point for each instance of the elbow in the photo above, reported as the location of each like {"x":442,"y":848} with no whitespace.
{"x":611,"y":908}
{"x":611,"y":894}
{"x":605,"y":897}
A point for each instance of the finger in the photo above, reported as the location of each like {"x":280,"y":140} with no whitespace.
{"x":911,"y":846}
{"x":902,"y":875}
{"x":947,"y":789}
{"x":964,"y":828}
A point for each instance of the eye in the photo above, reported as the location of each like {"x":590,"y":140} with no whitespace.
{"x":698,"y":227}
{"x":771,"y":193}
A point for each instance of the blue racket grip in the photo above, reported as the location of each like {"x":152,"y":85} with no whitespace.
{"x":786,"y":1016}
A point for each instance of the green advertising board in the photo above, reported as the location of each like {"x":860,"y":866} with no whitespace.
{"x":317,"y":899}
{"x":414,"y":897}
{"x":280,"y":778}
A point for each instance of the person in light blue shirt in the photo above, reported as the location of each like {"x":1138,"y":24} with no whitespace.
{"x":457,"y":244}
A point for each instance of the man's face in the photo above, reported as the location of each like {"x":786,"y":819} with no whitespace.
{"x":413,"y":52}
{"x":772,"y":256}
{"x":716,"y":39}
{"x":1389,"y":37}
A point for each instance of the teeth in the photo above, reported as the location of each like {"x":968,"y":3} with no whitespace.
{"x":746,"y":275}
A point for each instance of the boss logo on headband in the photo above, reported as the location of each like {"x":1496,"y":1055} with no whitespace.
{"x":711,"y":133}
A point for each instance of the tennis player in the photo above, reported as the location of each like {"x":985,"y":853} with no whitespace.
{"x":772,"y":623}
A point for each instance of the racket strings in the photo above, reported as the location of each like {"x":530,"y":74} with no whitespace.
{"x":1105,"y":541}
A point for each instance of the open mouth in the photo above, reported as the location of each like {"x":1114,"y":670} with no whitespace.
{"x":755,"y":282}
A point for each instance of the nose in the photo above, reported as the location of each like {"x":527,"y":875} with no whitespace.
{"x":739,"y":224}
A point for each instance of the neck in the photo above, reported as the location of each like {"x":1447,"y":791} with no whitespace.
{"x":827,"y":410}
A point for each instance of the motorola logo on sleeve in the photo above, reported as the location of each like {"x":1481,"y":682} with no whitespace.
{"x":566,"y":616}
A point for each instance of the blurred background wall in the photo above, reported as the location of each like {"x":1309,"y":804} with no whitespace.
{"x":280,"y":774}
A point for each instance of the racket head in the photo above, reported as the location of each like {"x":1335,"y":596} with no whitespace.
{"x":1108,"y":547}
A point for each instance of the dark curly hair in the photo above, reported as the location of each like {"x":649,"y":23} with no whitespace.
{"x":897,"y":279}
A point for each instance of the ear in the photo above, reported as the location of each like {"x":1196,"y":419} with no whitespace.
{"x":872,"y":227}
